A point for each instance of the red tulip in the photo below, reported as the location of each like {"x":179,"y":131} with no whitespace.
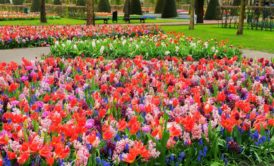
{"x":45,"y":151}
{"x":13,"y":87}
{"x":221,"y":97}
{"x":1,"y":161}
{"x":23,"y":157}
{"x":208,"y":108}
{"x":3,"y":140}
{"x":11,"y":155}
{"x":175,"y":132}
{"x":122,"y":124}
{"x":50,"y":161}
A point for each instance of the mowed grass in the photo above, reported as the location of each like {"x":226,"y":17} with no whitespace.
{"x":69,"y":21}
{"x":252,"y":39}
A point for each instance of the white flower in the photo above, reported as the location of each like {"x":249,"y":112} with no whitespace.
{"x":206,"y":44}
{"x":93,"y":44}
{"x":167,"y":53}
{"x":192,"y":44}
{"x":111,"y":46}
{"x":124,"y":42}
{"x":102,"y":49}
{"x":75,"y":47}
{"x":177,"y":48}
{"x":57,"y":43}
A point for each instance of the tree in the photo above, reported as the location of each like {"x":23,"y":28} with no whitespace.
{"x":81,"y":2}
{"x":127,"y":8}
{"x":43,"y":17}
{"x":57,"y":2}
{"x":90,"y":12}
{"x":36,"y":5}
{"x":104,"y":6}
{"x":213,"y":10}
{"x":199,"y":10}
{"x":240,"y":30}
{"x":170,"y":9}
{"x":159,"y":6}
{"x":135,"y":7}
{"x":192,"y":8}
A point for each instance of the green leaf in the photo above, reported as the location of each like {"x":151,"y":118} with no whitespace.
{"x":257,"y":157}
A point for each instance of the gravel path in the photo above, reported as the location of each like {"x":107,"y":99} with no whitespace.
{"x":257,"y":54}
{"x":17,"y":54}
{"x":31,"y":53}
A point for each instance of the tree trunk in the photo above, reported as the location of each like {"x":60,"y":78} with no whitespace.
{"x":192,"y":8}
{"x":242,"y":18}
{"x":43,"y":17}
{"x":199,"y":10}
{"x":90,"y":12}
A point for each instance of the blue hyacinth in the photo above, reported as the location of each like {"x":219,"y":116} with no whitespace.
{"x":181,"y":156}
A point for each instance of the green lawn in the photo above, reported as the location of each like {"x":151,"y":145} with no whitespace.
{"x":252,"y":39}
{"x":68,"y":21}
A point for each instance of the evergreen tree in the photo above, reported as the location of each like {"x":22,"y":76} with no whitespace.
{"x":127,"y":8}
{"x":135,"y":7}
{"x":213,"y":10}
{"x":199,"y":10}
{"x":159,"y":6}
{"x":170,"y":9}
{"x":36,"y":5}
{"x":104,"y":6}
{"x":57,"y":2}
{"x":81,"y":2}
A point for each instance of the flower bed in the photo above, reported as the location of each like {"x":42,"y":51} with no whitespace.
{"x":123,"y":111}
{"x":9,"y":15}
{"x":29,"y":36}
{"x":150,"y":46}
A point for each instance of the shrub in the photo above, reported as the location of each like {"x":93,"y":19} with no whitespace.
{"x":234,"y":12}
{"x":18,"y":2}
{"x":81,"y":2}
{"x":169,"y":9}
{"x":159,"y":6}
{"x":57,"y":2}
{"x":4,"y":1}
{"x":213,"y":10}
{"x":135,"y":7}
{"x":35,"y":5}
{"x":104,"y":6}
